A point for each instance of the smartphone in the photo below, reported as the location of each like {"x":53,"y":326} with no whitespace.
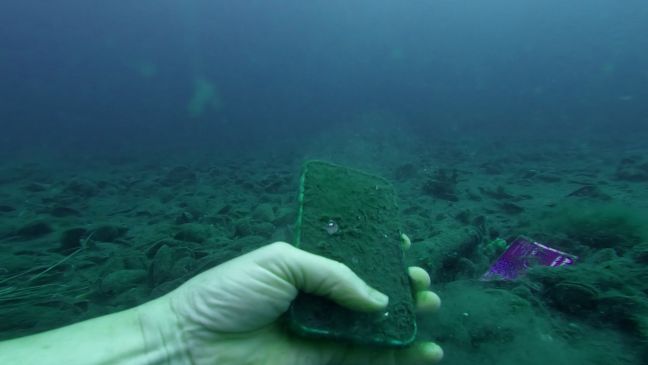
{"x":352,"y":217}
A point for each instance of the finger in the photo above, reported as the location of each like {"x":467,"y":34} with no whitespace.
{"x":325,"y":277}
{"x":406,"y":243}
{"x":427,"y":301}
{"x":419,"y":278}
{"x":420,"y":353}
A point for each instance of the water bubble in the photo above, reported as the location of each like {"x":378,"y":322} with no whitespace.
{"x":331,"y":227}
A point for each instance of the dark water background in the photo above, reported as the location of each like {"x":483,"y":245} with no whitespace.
{"x":107,"y":75}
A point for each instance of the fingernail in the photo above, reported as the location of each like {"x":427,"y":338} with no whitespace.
{"x":378,"y":297}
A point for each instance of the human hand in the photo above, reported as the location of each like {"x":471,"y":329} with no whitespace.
{"x":229,"y":314}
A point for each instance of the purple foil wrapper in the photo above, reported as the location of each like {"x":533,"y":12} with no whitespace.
{"x":523,"y":253}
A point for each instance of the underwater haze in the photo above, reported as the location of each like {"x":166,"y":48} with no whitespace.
{"x":142,"y":142}
{"x":160,"y":72}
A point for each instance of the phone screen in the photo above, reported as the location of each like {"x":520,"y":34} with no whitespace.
{"x":352,"y":217}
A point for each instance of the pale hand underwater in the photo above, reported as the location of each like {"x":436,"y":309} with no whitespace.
{"x":228,"y":315}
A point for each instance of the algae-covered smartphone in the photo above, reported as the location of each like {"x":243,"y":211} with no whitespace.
{"x":352,"y":217}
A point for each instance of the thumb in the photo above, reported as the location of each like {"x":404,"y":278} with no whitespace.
{"x":325,"y":277}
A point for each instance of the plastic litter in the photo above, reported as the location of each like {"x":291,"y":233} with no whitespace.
{"x":523,"y":253}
